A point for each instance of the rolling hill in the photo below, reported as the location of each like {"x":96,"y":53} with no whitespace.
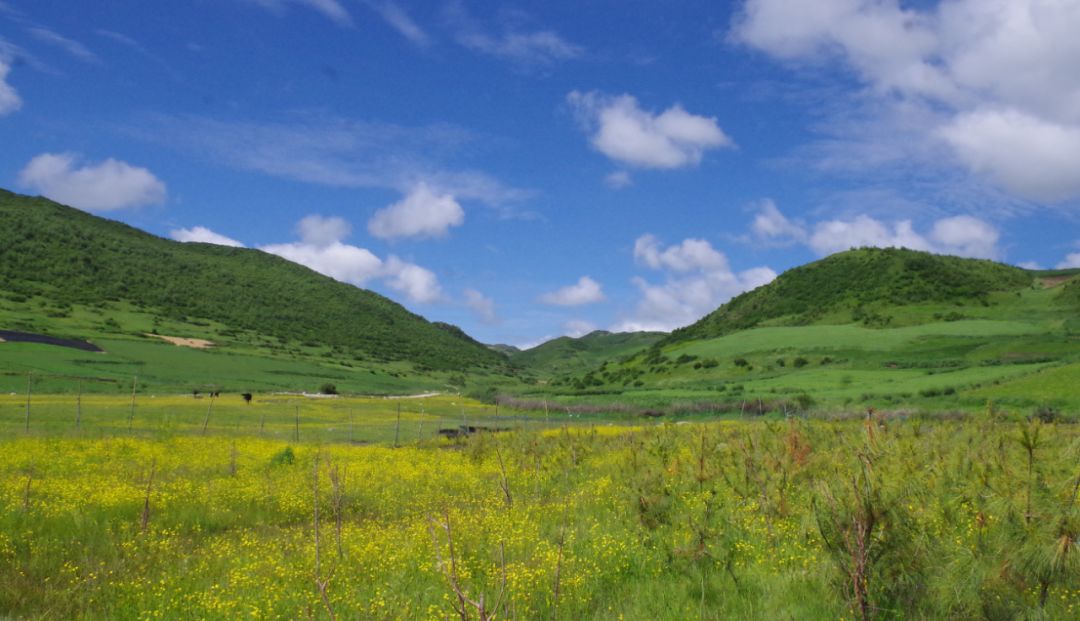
{"x":68,"y":273}
{"x":572,"y":355}
{"x":868,"y":326}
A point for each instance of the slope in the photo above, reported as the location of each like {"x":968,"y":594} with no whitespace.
{"x":61,"y":257}
{"x":566,"y":354}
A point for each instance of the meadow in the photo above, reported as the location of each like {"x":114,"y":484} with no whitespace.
{"x":169,"y":515}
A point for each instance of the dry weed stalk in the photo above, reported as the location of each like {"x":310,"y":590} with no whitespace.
{"x":465,"y":605}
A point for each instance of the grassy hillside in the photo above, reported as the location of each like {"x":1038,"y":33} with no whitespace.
{"x":573,"y":355}
{"x":922,"y":331}
{"x":862,"y":285}
{"x":56,"y":258}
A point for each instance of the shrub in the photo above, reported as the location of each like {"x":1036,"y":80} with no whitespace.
{"x":800,"y":362}
{"x":328,"y":389}
{"x":284,"y":457}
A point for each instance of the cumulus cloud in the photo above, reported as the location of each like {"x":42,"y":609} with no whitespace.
{"x":1070,"y":261}
{"x":698,"y":279}
{"x":414,"y":282}
{"x":771,"y":225}
{"x":964,"y":236}
{"x":483,"y":306}
{"x":203,"y":235}
{"x":1029,"y":156}
{"x":421,"y":213}
{"x":319,"y":230}
{"x":9,"y":97}
{"x":621,"y":130}
{"x":997,"y":76}
{"x":106,"y":186}
{"x":321,"y":248}
{"x":689,"y":255}
{"x":584,"y":291}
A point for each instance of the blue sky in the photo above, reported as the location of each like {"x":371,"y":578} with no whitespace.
{"x":527,"y":170}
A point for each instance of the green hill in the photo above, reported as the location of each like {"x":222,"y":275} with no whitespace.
{"x":864,"y":328}
{"x":567,"y":355}
{"x":864,"y":286}
{"x":69,"y":273}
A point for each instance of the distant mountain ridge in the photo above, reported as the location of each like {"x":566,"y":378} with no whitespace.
{"x":72,"y":257}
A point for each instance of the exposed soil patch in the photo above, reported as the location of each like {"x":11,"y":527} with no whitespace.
{"x":1053,"y":281}
{"x":184,"y":342}
{"x":26,"y":337}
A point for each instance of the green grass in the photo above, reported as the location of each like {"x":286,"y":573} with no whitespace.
{"x":54,"y":258}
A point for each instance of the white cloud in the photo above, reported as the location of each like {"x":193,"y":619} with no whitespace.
{"x":698,"y":279}
{"x":1033,"y":265}
{"x":76,"y":49}
{"x":416,"y":283}
{"x":526,"y":49}
{"x":339,"y":261}
{"x":771,"y":225}
{"x":624,"y":132}
{"x":204,"y":235}
{"x":332,"y":9}
{"x":319,"y":230}
{"x":963,"y":236}
{"x":691,"y":254}
{"x":483,"y":306}
{"x":618,"y":180}
{"x":1071,"y":261}
{"x":540,"y":48}
{"x":9,"y":97}
{"x":421,"y":213}
{"x":1029,"y":156}
{"x":576,"y":328}
{"x":838,"y":235}
{"x":321,"y":248}
{"x":400,"y":21}
{"x":106,"y":186}
{"x":585,"y":291}
{"x":996,"y":77}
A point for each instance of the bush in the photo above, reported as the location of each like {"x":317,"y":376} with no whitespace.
{"x":328,"y":389}
{"x":284,"y":457}
{"x":1046,"y":414}
{"x":800,"y":362}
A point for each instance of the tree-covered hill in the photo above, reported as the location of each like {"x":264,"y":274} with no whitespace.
{"x":571,"y":355}
{"x":860,"y":283}
{"x":68,"y":256}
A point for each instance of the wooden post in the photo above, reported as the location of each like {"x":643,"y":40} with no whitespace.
{"x":296,"y":433}
{"x":352,"y":425}
{"x":262,"y":422}
{"x":78,"y":408}
{"x":131,"y":414}
{"x":397,"y":428}
{"x":206,"y":421}
{"x":29,"y":376}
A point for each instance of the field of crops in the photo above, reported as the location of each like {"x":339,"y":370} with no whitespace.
{"x":150,"y":517}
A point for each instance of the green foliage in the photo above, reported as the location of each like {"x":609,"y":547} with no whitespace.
{"x":71,"y":257}
{"x":284,"y":457}
{"x":328,"y":389}
{"x":855,"y":279}
{"x":568,"y":355}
